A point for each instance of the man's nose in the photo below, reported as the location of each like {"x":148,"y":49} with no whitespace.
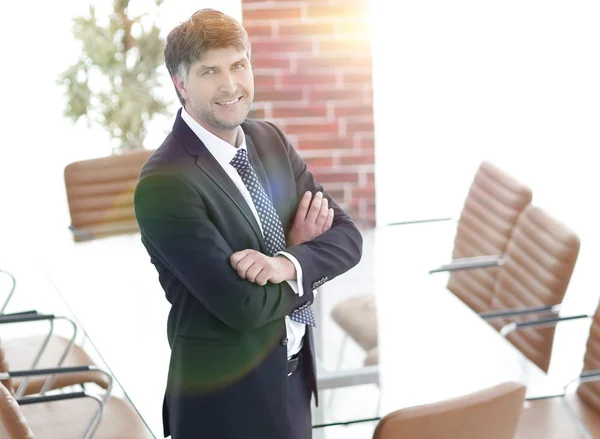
{"x":227,"y":84}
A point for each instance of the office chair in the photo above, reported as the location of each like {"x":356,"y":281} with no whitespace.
{"x":488,"y":414}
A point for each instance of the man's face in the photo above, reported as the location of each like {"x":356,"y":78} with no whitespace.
{"x":219,"y":91}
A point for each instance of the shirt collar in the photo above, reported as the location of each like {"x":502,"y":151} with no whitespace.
{"x":222,"y":151}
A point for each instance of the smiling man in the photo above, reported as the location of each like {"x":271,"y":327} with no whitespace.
{"x":240,"y":234}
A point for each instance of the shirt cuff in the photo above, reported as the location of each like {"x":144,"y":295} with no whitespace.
{"x":296,"y":285}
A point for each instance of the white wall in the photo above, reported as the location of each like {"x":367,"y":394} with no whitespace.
{"x":516,"y":82}
{"x":37,"y":141}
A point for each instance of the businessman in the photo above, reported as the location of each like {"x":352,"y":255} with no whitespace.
{"x":240,"y":234}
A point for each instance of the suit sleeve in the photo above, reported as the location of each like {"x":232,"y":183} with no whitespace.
{"x":333,"y":252}
{"x":174,"y":222}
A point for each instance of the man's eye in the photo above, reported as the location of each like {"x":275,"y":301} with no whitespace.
{"x":238,"y":66}
{"x":208,"y":72}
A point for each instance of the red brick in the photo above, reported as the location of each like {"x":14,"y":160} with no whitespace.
{"x":359,"y":127}
{"x":339,"y":195}
{"x":347,"y":9}
{"x":271,"y":13}
{"x":358,"y":78}
{"x":352,"y":94}
{"x":265,"y":81}
{"x":354,"y":110}
{"x":335,"y":177}
{"x":306,"y":29}
{"x":281,"y":46}
{"x":329,"y":61}
{"x":319,"y":128}
{"x":257,"y":113}
{"x":363,"y":192}
{"x":258,"y":30}
{"x":303,"y":80}
{"x":333,"y":144}
{"x":353,"y":160}
{"x":318,"y":162}
{"x":268,"y":62}
{"x":350,"y":45}
{"x":282,"y":95}
{"x":300,"y":111}
{"x":365,"y":144}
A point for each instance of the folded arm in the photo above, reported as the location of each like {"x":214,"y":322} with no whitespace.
{"x":336,"y":250}
{"x":178,"y":231}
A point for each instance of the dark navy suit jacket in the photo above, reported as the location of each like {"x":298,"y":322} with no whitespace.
{"x":228,"y":369}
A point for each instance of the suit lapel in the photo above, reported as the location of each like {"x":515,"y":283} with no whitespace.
{"x":209,"y":165}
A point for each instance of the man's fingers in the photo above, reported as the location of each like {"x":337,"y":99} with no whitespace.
{"x":253,"y":272}
{"x":263,"y":277}
{"x":322,"y":217}
{"x":315,"y":207}
{"x":328,"y":221}
{"x":235,"y":258}
{"x":303,"y":207}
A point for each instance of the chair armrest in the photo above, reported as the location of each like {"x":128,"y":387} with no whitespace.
{"x":347,"y":378}
{"x":539,"y":323}
{"x":554,"y":309}
{"x":90,"y":427}
{"x":20,"y":313}
{"x":426,"y":220}
{"x":486,"y":261}
{"x":58,"y":371}
{"x":10,"y":293}
{"x":28,"y":316}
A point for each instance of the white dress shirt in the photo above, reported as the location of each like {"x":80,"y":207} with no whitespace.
{"x":223,"y":153}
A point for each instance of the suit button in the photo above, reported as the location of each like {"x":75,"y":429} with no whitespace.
{"x":284,"y":342}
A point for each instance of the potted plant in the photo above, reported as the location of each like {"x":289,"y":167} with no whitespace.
{"x":114,"y":84}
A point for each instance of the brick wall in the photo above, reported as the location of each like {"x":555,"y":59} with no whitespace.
{"x":313,"y":78}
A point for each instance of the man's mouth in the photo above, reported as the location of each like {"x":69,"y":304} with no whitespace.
{"x":231,"y":102}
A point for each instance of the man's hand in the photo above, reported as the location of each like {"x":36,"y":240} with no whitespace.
{"x":260,"y":269}
{"x":312,"y":219}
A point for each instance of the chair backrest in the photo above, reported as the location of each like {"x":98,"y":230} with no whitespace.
{"x":8,"y":383}
{"x":12,"y":422}
{"x":488,"y":414}
{"x":538,"y":264}
{"x":590,"y":392}
{"x":490,"y":212}
{"x":100,"y":194}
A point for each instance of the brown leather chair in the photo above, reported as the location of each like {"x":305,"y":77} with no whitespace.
{"x":372,"y":357}
{"x":69,"y":415}
{"x":566,"y":417}
{"x":488,"y":414}
{"x":29,"y":352}
{"x":489,"y":214}
{"x":485,"y":225}
{"x":537,"y":268}
{"x":100,"y":195}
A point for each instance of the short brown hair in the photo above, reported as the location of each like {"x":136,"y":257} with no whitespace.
{"x":206,"y":30}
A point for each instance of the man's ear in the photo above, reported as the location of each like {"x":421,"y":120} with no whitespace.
{"x":180,"y":84}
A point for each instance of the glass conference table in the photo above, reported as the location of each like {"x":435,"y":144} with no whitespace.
{"x":432,"y":346}
{"x":36,"y":290}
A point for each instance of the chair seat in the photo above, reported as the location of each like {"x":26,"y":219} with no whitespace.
{"x":67,"y":419}
{"x":357,"y":316}
{"x":548,"y":418}
{"x":20,"y":353}
{"x":372,"y":357}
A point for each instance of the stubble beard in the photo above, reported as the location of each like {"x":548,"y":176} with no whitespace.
{"x":205,"y":112}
